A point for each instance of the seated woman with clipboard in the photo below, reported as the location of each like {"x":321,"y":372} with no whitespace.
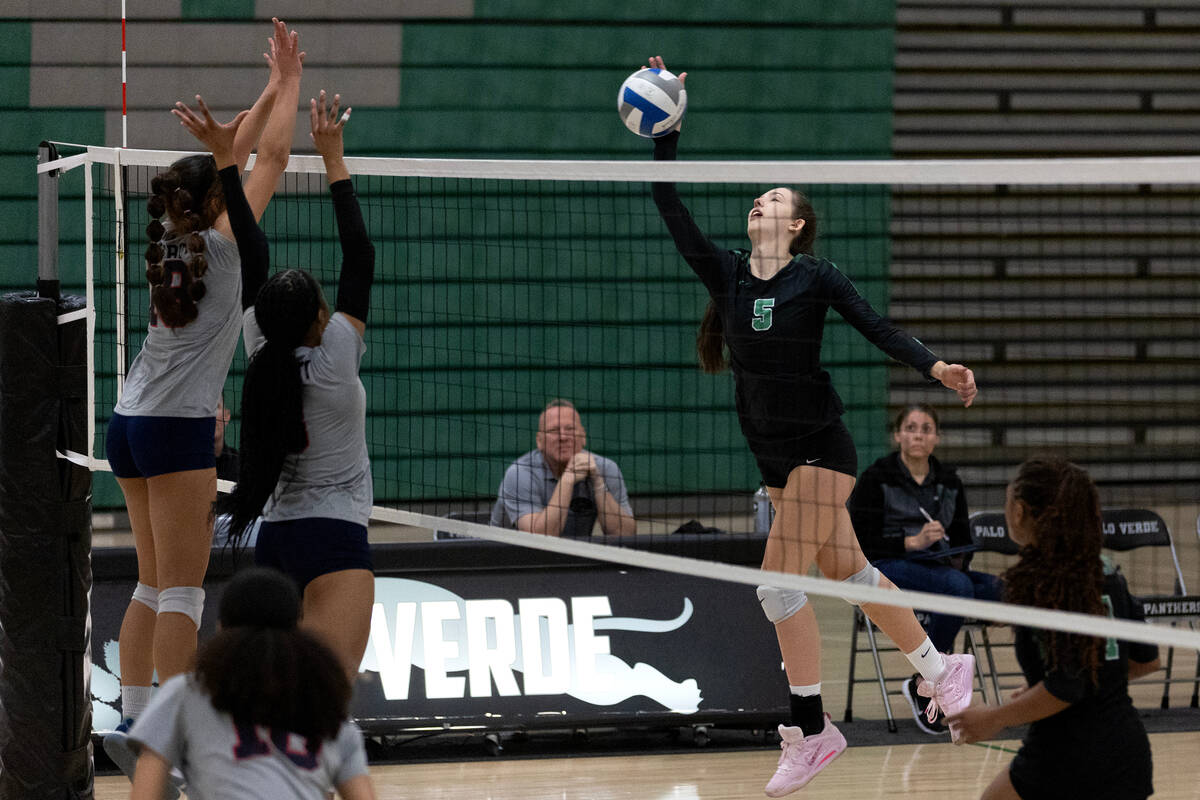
{"x":910,"y":515}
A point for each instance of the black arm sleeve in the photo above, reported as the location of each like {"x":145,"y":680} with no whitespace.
{"x":701,"y":254}
{"x":251,"y":241}
{"x":358,"y":254}
{"x":866,"y":507}
{"x":881,"y":332}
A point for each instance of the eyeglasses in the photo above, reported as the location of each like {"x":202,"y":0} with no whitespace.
{"x":562,"y":432}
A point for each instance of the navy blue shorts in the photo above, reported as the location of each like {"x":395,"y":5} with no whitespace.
{"x":309,"y":548}
{"x":142,"y":447}
{"x":831,"y":447}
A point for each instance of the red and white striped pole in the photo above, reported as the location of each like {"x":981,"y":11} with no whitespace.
{"x":124,"y":109}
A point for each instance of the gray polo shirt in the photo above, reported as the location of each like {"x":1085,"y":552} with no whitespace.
{"x":180,"y":371}
{"x":182,"y":726}
{"x":332,"y":477}
{"x":529,"y":483}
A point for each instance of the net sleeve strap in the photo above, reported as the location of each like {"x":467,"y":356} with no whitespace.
{"x":253,"y":249}
{"x":358,"y":254}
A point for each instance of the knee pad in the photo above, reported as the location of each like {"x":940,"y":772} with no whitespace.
{"x":186,"y":600}
{"x":867,"y":576}
{"x":147,"y":596}
{"x":779,"y":604}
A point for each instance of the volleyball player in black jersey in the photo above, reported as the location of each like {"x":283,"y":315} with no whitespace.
{"x":768,"y":308}
{"x":1085,"y":738}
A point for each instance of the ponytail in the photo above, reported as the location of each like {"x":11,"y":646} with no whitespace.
{"x":1060,"y":568}
{"x":272,"y":422}
{"x":190,"y":196}
{"x":710,"y":341}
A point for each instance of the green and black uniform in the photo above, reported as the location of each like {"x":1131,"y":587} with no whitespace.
{"x":786,"y":403}
{"x":1097,"y":746}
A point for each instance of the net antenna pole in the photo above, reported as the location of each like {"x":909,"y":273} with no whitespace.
{"x":121,"y":201}
{"x":47,"y":279}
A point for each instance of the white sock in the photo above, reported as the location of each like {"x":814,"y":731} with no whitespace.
{"x":134,"y":700}
{"x":805,"y":691}
{"x":927,"y":660}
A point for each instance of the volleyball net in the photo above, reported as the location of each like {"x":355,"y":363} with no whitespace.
{"x":1069,"y":286}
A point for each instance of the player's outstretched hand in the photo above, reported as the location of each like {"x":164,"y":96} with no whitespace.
{"x":961,"y":380}
{"x":327,"y":125}
{"x":213,"y":135}
{"x":656,"y":62}
{"x":286,"y":58}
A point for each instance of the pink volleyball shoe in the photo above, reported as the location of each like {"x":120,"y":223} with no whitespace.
{"x":951,"y":693}
{"x":804,"y":756}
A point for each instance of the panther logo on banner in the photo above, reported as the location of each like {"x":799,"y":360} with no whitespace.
{"x":554,"y":645}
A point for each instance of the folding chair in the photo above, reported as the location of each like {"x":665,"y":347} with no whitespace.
{"x":990,"y":535}
{"x":1128,"y":529}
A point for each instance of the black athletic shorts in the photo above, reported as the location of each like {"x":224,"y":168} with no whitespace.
{"x":1049,"y":772}
{"x":830,"y":447}
{"x":309,"y":548}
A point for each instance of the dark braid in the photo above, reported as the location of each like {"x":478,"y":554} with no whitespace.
{"x":1060,"y":568}
{"x":710,"y":338}
{"x":176,"y":284}
{"x":272,"y":409}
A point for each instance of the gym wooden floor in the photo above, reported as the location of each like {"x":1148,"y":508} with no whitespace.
{"x":934,"y":770}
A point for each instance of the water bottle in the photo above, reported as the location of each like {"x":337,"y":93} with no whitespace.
{"x":763,"y":513}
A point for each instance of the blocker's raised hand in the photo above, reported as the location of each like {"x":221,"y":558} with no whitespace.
{"x":216,"y":137}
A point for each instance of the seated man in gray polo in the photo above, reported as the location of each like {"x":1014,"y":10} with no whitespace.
{"x":560,"y":489}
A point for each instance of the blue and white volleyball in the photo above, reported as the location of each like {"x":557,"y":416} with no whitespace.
{"x":652,"y":102}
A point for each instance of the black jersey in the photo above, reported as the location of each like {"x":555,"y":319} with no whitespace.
{"x":1097,"y":746}
{"x":774,"y":327}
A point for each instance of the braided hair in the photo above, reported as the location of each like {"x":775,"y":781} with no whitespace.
{"x":1060,"y":567}
{"x":190,"y":195}
{"x":272,"y":409}
{"x":710,"y":338}
{"x":261,"y":669}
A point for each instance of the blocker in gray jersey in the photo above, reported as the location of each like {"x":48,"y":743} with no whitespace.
{"x":180,"y":371}
{"x":332,"y":477}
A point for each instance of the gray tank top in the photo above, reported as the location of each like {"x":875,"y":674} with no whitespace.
{"x":332,"y":477}
{"x":180,"y":371}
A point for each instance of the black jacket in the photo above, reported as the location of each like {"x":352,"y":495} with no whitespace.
{"x":886,"y":504}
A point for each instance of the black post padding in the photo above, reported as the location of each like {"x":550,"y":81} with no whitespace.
{"x":45,"y":552}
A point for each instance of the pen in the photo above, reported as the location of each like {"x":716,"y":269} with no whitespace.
{"x":925,"y":514}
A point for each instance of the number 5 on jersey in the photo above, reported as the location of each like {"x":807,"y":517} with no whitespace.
{"x":762,"y":313}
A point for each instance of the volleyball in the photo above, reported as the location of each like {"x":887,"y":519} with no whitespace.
{"x":651,"y":102}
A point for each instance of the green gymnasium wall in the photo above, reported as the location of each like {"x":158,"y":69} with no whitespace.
{"x":597,"y":306}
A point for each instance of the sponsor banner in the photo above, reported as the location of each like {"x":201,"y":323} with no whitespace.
{"x":552,"y":645}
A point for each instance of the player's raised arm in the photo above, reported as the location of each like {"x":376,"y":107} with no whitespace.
{"x":358,"y":254}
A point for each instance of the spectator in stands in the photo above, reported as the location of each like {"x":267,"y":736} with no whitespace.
{"x":561,"y":489}
{"x":910,"y":514}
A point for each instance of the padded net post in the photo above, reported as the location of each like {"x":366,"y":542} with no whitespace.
{"x":45,"y":552}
